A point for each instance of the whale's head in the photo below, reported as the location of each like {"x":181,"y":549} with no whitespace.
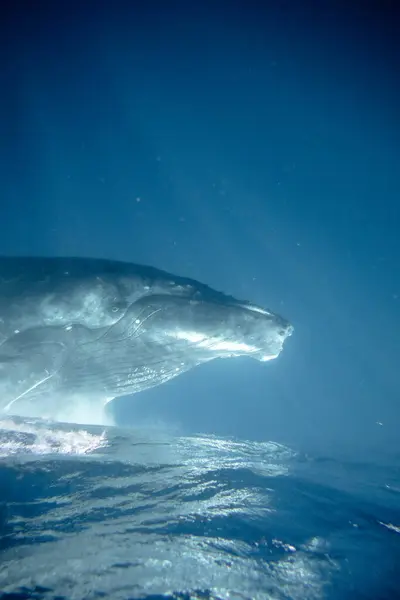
{"x":213,"y":329}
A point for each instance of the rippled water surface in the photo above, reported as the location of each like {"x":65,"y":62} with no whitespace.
{"x":88,"y":512}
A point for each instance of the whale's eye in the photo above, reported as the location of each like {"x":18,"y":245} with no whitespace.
{"x":118,"y":306}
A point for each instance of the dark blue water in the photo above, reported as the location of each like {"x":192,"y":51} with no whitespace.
{"x":254,"y":146}
{"x":90,"y":513}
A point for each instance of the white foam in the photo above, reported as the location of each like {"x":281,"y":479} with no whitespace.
{"x":38,"y":439}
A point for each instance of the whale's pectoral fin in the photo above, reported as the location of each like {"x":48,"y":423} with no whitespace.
{"x":26,"y":364}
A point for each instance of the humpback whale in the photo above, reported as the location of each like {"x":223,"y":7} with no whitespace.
{"x":100,"y":329}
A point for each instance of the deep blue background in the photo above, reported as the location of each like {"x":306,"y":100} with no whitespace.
{"x":253,"y":146}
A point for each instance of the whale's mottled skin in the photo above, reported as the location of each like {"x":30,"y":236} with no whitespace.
{"x":78,"y":327}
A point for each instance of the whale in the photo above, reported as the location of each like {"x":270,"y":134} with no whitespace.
{"x":99,"y":329}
